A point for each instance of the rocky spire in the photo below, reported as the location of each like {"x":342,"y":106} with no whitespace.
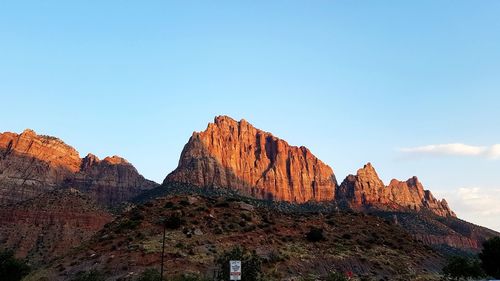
{"x":366,"y":190}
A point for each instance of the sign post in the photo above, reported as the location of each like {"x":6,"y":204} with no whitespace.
{"x":234,"y":270}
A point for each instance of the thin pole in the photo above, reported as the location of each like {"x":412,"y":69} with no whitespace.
{"x":162,"y":251}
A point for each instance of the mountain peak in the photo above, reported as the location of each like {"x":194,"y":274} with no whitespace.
{"x":237,"y":155}
{"x":116,"y":160}
{"x":366,"y":190}
{"x":33,"y":164}
{"x":28,"y":132}
{"x":224,"y":119}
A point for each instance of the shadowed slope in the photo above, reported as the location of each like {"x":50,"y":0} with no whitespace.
{"x":48,"y":225}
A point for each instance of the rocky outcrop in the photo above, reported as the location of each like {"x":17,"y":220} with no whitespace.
{"x":237,"y":155}
{"x":111,"y":180}
{"x":365,"y":189}
{"x":32,"y":164}
{"x":455,"y":241}
{"x":49,"y":225}
{"x":411,"y":194}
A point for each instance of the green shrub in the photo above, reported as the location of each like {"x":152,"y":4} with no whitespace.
{"x":149,"y":274}
{"x":462,"y":268}
{"x":222,"y":205}
{"x":347,"y":236}
{"x":12,"y":269}
{"x":250,"y":264}
{"x":128,"y":224}
{"x":315,"y":234}
{"x":173,"y":222}
{"x":336,"y":276}
{"x":169,"y":205}
{"x":188,"y":277}
{"x":490,"y":257}
{"x":136,"y":215}
{"x":92,"y":275}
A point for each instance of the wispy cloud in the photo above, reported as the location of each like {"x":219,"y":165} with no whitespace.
{"x":478,"y":205}
{"x":454,"y":149}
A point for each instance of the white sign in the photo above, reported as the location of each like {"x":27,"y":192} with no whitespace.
{"x":234,"y":270}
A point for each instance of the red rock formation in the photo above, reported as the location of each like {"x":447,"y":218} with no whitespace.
{"x":411,"y":194}
{"x":31,"y":164}
{"x":453,"y":240}
{"x":364,"y":188}
{"x":111,"y":180}
{"x":367,"y":190}
{"x":50,"y":224}
{"x":237,"y":155}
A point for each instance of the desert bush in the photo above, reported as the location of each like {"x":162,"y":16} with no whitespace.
{"x":128,"y":224}
{"x":490,"y":257}
{"x":250,"y":264}
{"x":188,"y":277}
{"x":347,"y":236}
{"x":336,"y":276}
{"x":315,"y":234}
{"x":136,"y":215}
{"x":246,"y":216}
{"x":169,"y":205}
{"x":174,"y":221}
{"x":222,"y":204}
{"x":12,"y":269}
{"x":184,"y":203}
{"x":92,"y":275}
{"x":461,"y":268}
{"x":149,"y":274}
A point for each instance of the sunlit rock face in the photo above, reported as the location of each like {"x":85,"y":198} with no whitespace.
{"x":32,"y":164}
{"x":365,"y":189}
{"x":236,"y":155}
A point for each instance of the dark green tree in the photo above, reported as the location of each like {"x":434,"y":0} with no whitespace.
{"x":315,"y":235}
{"x":461,"y":268}
{"x":12,"y":269}
{"x":490,"y":257}
{"x":250,"y":264}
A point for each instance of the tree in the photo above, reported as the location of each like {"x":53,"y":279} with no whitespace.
{"x":315,"y":234}
{"x":12,"y":269}
{"x":459,"y":268}
{"x":490,"y":257}
{"x":250,"y":264}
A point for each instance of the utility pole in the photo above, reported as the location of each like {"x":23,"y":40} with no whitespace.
{"x":162,"y":250}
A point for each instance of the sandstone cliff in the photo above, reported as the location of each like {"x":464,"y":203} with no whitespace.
{"x":365,"y":189}
{"x":237,"y":155}
{"x":31,"y":164}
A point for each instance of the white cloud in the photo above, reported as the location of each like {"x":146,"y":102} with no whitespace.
{"x":454,"y":149}
{"x":494,"y":151}
{"x":476,"y":204}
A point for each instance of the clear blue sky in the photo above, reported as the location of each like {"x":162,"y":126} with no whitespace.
{"x":355,"y":81}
